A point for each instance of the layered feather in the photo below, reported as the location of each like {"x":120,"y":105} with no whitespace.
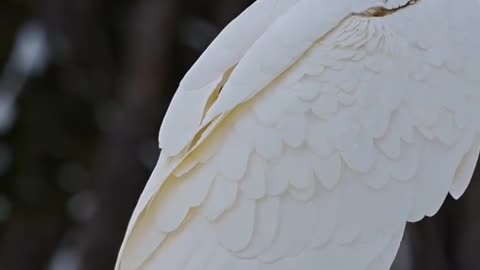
{"x":319,"y":148}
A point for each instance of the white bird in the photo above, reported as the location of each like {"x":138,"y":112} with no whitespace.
{"x":309,"y":133}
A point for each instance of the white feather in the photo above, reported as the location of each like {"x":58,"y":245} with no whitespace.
{"x":331,"y":131}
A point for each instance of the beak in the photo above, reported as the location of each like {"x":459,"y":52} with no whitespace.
{"x":387,"y":8}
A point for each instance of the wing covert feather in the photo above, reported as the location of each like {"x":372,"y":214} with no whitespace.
{"x":319,"y":162}
{"x":184,"y":116}
{"x":270,"y":45}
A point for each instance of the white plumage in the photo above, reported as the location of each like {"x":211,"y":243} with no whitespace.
{"x":309,"y":133}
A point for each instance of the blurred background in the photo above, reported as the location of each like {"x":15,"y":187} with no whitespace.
{"x":84,"y":85}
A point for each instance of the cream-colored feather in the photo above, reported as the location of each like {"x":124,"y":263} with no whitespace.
{"x":332,"y":129}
